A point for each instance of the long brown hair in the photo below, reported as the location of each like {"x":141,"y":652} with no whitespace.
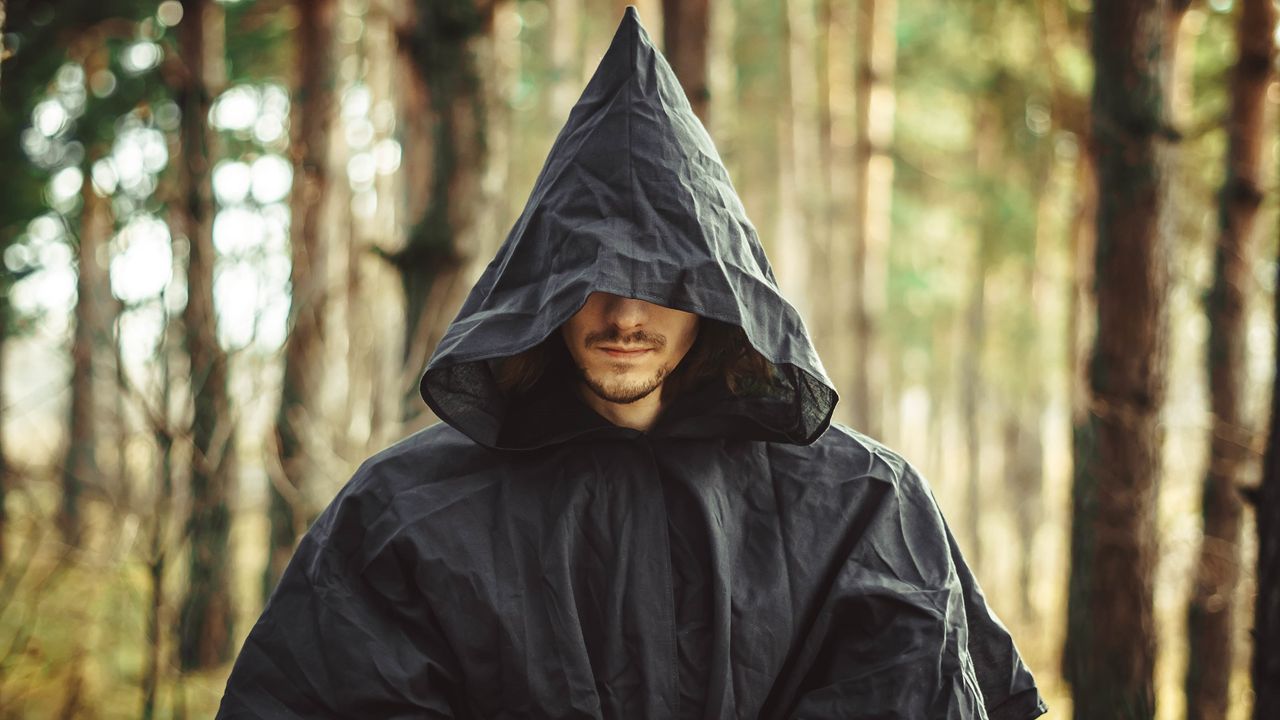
{"x":720,"y":350}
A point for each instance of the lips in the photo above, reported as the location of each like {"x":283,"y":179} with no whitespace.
{"x":624,"y":353}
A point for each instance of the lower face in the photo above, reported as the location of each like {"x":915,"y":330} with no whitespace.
{"x":624,"y":348}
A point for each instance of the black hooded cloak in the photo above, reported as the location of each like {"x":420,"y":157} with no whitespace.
{"x":527,"y":559}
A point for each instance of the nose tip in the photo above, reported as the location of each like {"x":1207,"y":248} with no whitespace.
{"x":627,"y":312}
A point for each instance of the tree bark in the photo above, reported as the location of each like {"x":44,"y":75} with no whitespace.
{"x":686,"y":25}
{"x":1210,"y":615}
{"x":303,"y":351}
{"x":89,"y":343}
{"x":1266,"y":609}
{"x":446,"y":151}
{"x":1082,"y":320}
{"x":1111,"y":622}
{"x":876,"y":48}
{"x":206,"y":615}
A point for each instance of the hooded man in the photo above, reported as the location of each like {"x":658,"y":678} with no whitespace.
{"x":636,"y":506}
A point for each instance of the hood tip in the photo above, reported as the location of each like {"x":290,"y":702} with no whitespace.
{"x":631,"y":18}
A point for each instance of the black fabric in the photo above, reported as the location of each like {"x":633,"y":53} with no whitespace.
{"x":528,"y":559}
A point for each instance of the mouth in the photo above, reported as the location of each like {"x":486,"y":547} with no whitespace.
{"x":624,"y":352}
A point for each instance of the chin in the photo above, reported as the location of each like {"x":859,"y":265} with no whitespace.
{"x":624,"y":388}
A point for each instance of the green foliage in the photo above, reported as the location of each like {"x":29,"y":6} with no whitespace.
{"x":52,"y":47}
{"x":258,"y":39}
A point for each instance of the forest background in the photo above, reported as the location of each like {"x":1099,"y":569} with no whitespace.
{"x":1034,"y":242}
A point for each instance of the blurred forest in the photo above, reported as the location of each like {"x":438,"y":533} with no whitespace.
{"x":1034,"y":240}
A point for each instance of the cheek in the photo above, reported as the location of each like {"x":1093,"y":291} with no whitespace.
{"x":683,"y":337}
{"x":690,"y":332}
{"x":572,"y":333}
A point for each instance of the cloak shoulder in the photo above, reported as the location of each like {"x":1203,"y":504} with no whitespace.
{"x":904,"y":629}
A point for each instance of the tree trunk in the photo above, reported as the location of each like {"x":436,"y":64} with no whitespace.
{"x":377,"y":376}
{"x":303,"y":351}
{"x":1210,"y":616}
{"x":1082,"y":320}
{"x":161,"y":507}
{"x":758,"y":83}
{"x":798,"y":242}
{"x":564,"y":39}
{"x":1024,"y":458}
{"x":1266,"y":609}
{"x":971,"y":394}
{"x":1111,"y":620}
{"x":92,"y":332}
{"x":972,"y":377}
{"x":686,"y":25}
{"x":206,"y":615}
{"x":876,"y":48}
{"x":446,"y":118}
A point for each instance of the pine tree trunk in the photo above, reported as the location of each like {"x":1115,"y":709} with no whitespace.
{"x":686,"y":25}
{"x":80,"y":467}
{"x":1082,"y":320}
{"x":791,"y":257}
{"x":206,"y":615}
{"x":972,"y":379}
{"x":971,"y":394}
{"x":1082,"y":313}
{"x":161,"y":508}
{"x":313,"y":113}
{"x":1024,"y":472}
{"x":758,"y":83}
{"x":1210,"y":616}
{"x":1111,"y":624}
{"x":1266,"y":609}
{"x":876,"y":48}
{"x":372,"y":320}
{"x":564,"y":39}
{"x":447,"y":121}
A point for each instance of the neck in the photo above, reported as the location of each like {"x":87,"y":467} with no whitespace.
{"x":638,"y":415}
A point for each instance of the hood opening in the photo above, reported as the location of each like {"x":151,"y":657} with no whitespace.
{"x":723,"y":387}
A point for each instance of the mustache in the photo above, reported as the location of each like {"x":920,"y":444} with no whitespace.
{"x":615,"y":336}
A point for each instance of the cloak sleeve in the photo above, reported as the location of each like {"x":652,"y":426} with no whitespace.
{"x":905,"y":631}
{"x":339,"y":637}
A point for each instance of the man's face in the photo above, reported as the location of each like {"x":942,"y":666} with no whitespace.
{"x":625,"y":348}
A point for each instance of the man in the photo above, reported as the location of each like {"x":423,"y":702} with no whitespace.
{"x":635,"y":506}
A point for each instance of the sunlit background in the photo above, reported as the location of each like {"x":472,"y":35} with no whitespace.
{"x":976,"y":214}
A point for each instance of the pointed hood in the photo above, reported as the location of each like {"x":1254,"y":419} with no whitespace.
{"x":633,"y":200}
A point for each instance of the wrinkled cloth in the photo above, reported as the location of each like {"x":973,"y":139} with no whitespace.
{"x":525,"y":558}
